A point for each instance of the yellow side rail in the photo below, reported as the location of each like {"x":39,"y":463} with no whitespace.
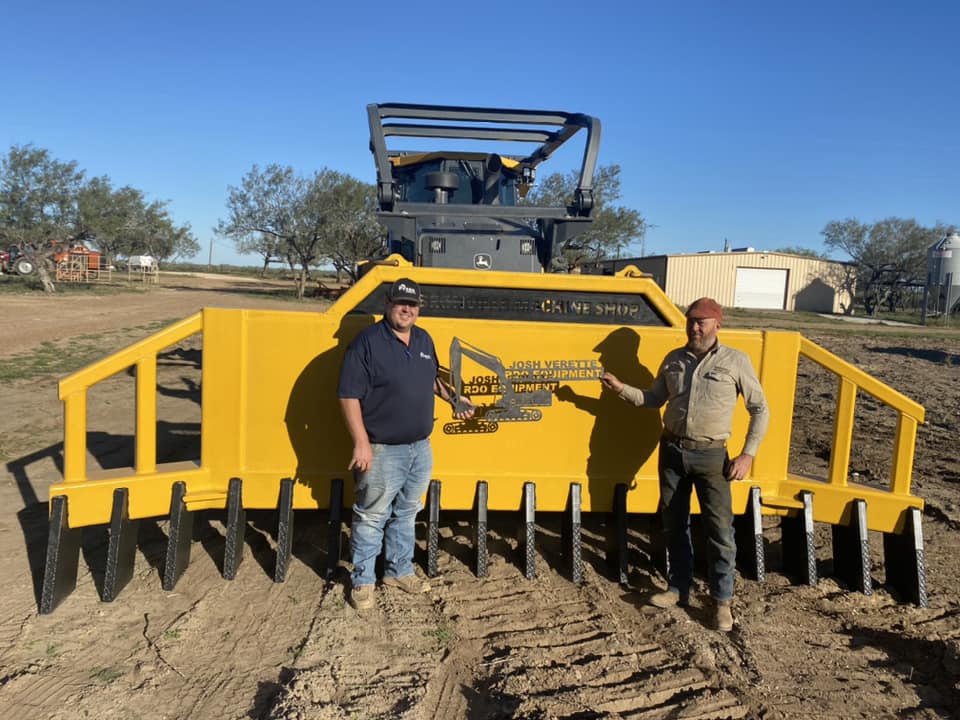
{"x":91,"y":499}
{"x":73,"y":393}
{"x":851,"y":379}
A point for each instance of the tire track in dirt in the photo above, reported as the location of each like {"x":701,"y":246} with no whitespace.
{"x":506,"y":647}
{"x":551,"y":649}
{"x":375,"y":664}
{"x":205,"y":650}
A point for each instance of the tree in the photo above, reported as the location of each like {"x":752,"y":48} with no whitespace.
{"x":38,"y":203}
{"x":272,"y":202}
{"x":45,"y":201}
{"x":157,"y":235}
{"x":352,"y":231}
{"x":802,"y":252}
{"x":324,"y":217}
{"x":269,"y":247}
{"x":121,"y":222}
{"x":108,"y":218}
{"x":613,"y":228}
{"x":842,"y":277}
{"x":890,"y":256}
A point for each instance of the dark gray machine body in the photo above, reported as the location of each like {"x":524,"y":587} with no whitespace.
{"x":463,"y":209}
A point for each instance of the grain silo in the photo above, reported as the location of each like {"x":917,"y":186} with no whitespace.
{"x":943,"y":276}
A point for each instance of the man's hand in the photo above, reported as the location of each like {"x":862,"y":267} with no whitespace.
{"x":362,"y":457}
{"x":610,"y":381}
{"x":463,"y":409}
{"x":739,"y":467}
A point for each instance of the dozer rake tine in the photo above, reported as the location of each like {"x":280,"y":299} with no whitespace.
{"x":121,"y":552}
{"x":433,"y":527}
{"x":527,"y":530}
{"x":236,"y":529}
{"x":63,"y":557}
{"x":178,"y":542}
{"x":284,"y":530}
{"x":851,"y":549}
{"x":617,"y":535}
{"x":570,"y":535}
{"x":903,"y":558}
{"x":799,"y":551}
{"x":480,"y":530}
{"x":749,"y":531}
{"x":334,"y":527}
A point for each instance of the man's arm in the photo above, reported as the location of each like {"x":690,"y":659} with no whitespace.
{"x":445,"y":393}
{"x":353,"y":417}
{"x":756,"y":404}
{"x":655,"y":396}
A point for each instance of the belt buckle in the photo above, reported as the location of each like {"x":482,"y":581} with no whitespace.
{"x":691,"y":444}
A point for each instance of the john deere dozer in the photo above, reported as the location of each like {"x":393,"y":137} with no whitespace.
{"x":525,"y":344}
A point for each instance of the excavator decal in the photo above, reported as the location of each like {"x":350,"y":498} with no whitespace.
{"x":517,"y":391}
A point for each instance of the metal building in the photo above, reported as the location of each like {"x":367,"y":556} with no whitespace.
{"x":747,"y":279}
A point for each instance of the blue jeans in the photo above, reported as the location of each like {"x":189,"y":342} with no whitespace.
{"x":681,"y":471}
{"x":386,"y":503}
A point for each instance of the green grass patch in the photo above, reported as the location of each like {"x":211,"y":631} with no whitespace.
{"x":274,"y":272}
{"x":443,"y":635}
{"x":30,"y":285}
{"x":105,"y":675}
{"x":801,"y":322}
{"x":62,"y":357}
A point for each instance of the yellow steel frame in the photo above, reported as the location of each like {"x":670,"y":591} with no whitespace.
{"x":269,"y":411}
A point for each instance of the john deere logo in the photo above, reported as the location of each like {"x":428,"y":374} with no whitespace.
{"x":482,"y":261}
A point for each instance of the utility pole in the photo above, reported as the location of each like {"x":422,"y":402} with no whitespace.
{"x":210,"y":257}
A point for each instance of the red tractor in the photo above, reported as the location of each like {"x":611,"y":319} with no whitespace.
{"x":13,"y":261}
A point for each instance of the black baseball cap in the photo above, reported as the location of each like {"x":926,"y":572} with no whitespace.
{"x":404,"y":289}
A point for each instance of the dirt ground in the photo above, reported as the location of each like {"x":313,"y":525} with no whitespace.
{"x":501,"y":647}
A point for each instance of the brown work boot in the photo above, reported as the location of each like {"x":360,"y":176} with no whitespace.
{"x":724,"y":615}
{"x":361,"y":597}
{"x":667,"y":599}
{"x":408,"y":583}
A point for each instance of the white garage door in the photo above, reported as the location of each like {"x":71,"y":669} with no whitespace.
{"x":760,"y":288}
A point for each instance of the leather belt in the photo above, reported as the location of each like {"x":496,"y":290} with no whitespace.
{"x":691,"y":444}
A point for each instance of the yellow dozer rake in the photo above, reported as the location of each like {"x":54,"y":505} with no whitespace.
{"x":527,"y":349}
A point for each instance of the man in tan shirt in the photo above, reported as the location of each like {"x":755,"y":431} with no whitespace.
{"x":700,"y":383}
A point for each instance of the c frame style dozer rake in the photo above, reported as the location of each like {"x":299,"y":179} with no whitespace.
{"x":272,"y":437}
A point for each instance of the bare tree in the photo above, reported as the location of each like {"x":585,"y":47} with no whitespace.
{"x":268,"y":247}
{"x":323,"y":217}
{"x":889,"y":254}
{"x":613,"y":228}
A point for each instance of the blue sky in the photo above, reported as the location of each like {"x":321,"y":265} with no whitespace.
{"x":758,"y":122}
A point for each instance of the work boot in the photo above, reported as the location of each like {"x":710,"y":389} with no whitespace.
{"x":667,"y":599}
{"x":724,"y":615}
{"x":361,"y":597}
{"x":408,"y":583}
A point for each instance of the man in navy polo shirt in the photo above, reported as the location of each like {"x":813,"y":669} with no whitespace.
{"x":387,"y":383}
